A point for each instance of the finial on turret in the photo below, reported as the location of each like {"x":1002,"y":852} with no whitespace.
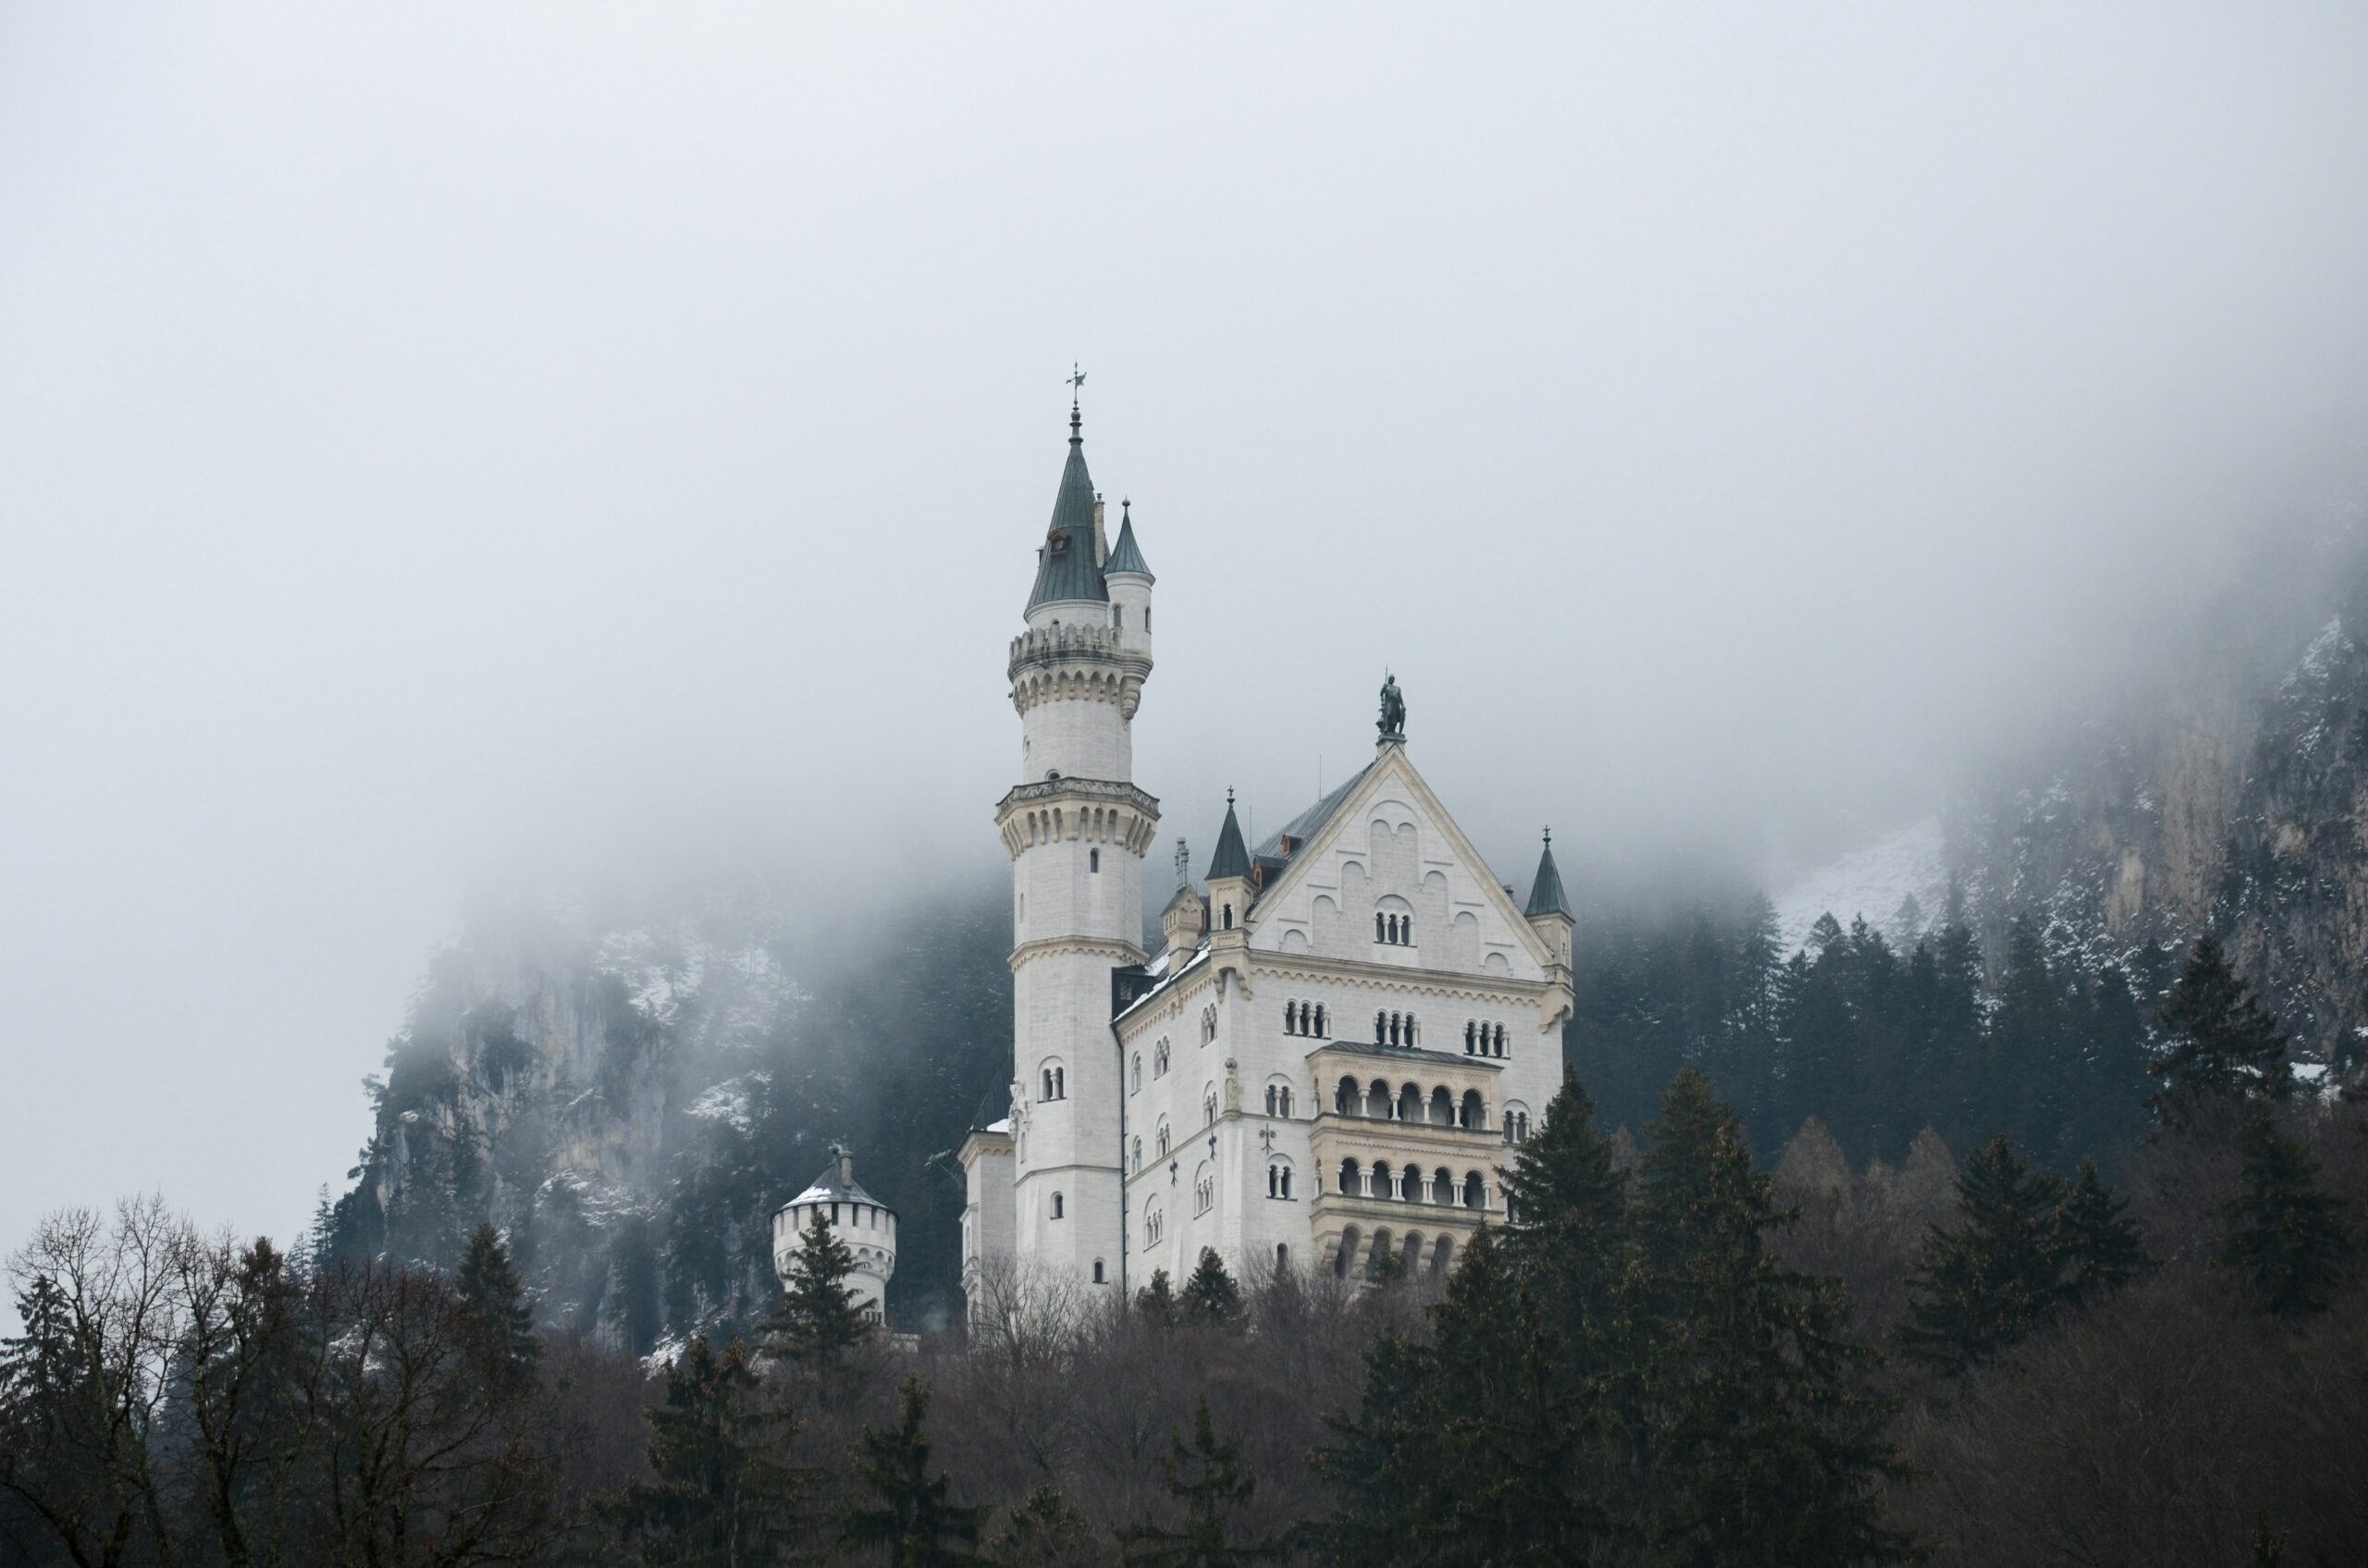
{"x":1077,"y":423}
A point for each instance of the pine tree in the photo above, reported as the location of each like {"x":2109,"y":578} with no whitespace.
{"x":2097,"y":1239}
{"x":907,"y":1511}
{"x":2224,"y":1045}
{"x":1996,"y":1276}
{"x":2284,"y":1235}
{"x":1156,"y":1300}
{"x":1210,"y":1300}
{"x":493,"y":1300}
{"x":726,"y":1493}
{"x":1570,"y":1237}
{"x":1210,"y":1485}
{"x":1758,"y":1449}
{"x":817,"y":1322}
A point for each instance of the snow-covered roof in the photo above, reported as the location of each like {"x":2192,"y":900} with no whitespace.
{"x":837,"y":1184}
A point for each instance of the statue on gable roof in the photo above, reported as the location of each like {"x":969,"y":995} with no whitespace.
{"x":1393,"y":709}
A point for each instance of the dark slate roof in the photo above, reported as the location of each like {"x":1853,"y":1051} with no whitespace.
{"x":1232,"y":859}
{"x":830,"y":1187}
{"x":1066,"y":567}
{"x":1125,"y":555}
{"x":1310,"y":823}
{"x":1546,"y":894}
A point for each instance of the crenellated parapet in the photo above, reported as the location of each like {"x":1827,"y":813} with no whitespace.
{"x":1077,"y":811}
{"x":1078,"y":664}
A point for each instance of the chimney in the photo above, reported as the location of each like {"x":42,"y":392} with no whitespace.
{"x":846,"y":1164}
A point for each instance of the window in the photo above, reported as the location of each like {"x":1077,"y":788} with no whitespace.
{"x":1204,"y":1190}
{"x":1056,"y":1084}
{"x":1302,"y":1018}
{"x":1135,"y":1074}
{"x":1159,"y":1060}
{"x":1279,"y":1180}
{"x":1282,"y":1256}
{"x":1392,"y":928}
{"x":1135,"y":1157}
{"x":1146,"y":617}
{"x":1155,"y":1223}
{"x":1117,"y":619}
{"x":1208,"y":1023}
{"x":1056,"y":1205}
{"x":1209,"y":1106}
{"x":1097,"y":1271}
{"x":1346,"y":1097}
{"x":1160,"y":1137}
{"x":1516,"y":1125}
{"x":1500,"y":1039}
{"x":1093,"y":860}
{"x":1228,"y":917}
{"x":1278,"y":1099}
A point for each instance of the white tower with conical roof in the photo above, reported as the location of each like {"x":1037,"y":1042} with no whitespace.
{"x":1077,"y":830}
{"x":864,"y":1225}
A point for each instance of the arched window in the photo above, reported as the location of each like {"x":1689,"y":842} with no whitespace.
{"x":1351,"y":1178}
{"x":1380,"y":926}
{"x":1208,"y":1023}
{"x":1146,"y":617}
{"x":1500,"y":1039}
{"x":1345,"y":1098}
{"x":1471,"y":1038}
{"x":1282,"y":1256}
{"x":1155,"y":1222}
{"x":1135,"y":1074}
{"x":1228,"y":917}
{"x":1159,"y":1060}
{"x":1097,"y":1271}
{"x":1396,"y":1023}
{"x":1442,"y":1108}
{"x":1443,"y":1186}
{"x":1474,"y":1114}
{"x":1323,"y":1020}
{"x":1476,"y":1191}
{"x":1284,"y":1095}
{"x":1410,"y":1029}
{"x":1270,"y":1099}
{"x":1278,"y":1179}
{"x":1056,"y":1205}
{"x":1160,"y":1138}
{"x":1093,"y":860}
{"x":1205,"y":1189}
{"x":1209,"y":1106}
{"x":1406,"y":931}
{"x":1055,"y":1079}
{"x":1381,"y":1029}
{"x":1117,"y":619}
{"x":1135,"y":1159}
{"x":1291,"y":1018}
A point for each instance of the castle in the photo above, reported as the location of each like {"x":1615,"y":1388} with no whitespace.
{"x":1347,"y":1028}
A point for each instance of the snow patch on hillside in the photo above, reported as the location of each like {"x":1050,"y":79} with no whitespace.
{"x":1871,"y":881}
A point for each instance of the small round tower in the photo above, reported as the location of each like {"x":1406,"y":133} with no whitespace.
{"x":866,"y":1225}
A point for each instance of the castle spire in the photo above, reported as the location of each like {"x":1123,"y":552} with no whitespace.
{"x":1232,"y":859}
{"x":1066,"y":565}
{"x":1546,"y":896}
{"x":1125,"y":555}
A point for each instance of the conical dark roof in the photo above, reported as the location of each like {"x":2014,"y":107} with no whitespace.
{"x":1125,"y":556}
{"x":1232,"y":859}
{"x":1066,"y":567}
{"x":1546,"y":896}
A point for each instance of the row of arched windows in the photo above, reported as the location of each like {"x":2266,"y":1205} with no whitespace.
{"x":1306,"y":1017}
{"x":1415,"y":1256}
{"x":1393,"y":1028}
{"x":1155,"y":1222}
{"x":1395,"y":930}
{"x":1278,"y":1099}
{"x":1411,"y":1184}
{"x":1204,"y":1190}
{"x":1516,"y":1126}
{"x":1279,"y":1180}
{"x":1439,"y":1109}
{"x":1057,"y":1083}
{"x":1483,"y":1039}
{"x":1209,"y":1106}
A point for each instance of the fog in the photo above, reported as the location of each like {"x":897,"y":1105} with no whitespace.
{"x":444,"y":448}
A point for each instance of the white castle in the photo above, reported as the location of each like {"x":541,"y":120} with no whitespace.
{"x":1328,"y":1061}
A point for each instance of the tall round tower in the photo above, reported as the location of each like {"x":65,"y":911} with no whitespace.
{"x":1076,"y":829}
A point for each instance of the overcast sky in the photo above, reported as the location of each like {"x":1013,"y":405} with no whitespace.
{"x":440,"y":440}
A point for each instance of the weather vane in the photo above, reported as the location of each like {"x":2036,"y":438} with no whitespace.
{"x":1076,"y":380}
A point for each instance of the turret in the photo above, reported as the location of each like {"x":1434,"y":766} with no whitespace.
{"x":1128,"y":580}
{"x":1550,"y":917}
{"x":865,"y":1225}
{"x":1230,"y":885}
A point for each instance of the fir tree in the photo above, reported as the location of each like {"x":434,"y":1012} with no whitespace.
{"x":1156,"y":1300}
{"x":2224,"y":1045}
{"x":2284,"y":1235}
{"x":1995,"y":1276}
{"x":1210,"y":1485}
{"x":2097,"y":1239}
{"x":906,"y":1510}
{"x":1758,"y":1449}
{"x":493,"y":1302}
{"x":726,"y":1493}
{"x":817,"y":1322}
{"x":1210,"y":1300}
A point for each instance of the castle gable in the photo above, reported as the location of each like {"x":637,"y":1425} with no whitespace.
{"x":1387,"y":877}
